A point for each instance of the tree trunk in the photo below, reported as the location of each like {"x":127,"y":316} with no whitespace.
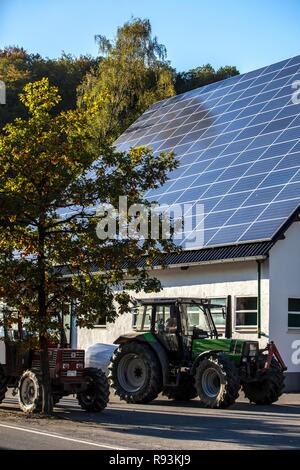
{"x":47,"y":405}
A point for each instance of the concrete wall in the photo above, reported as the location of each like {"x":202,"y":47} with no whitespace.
{"x":99,"y":334}
{"x":284,"y":283}
{"x":215,"y":280}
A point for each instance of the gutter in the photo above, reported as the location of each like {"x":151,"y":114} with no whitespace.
{"x":191,"y":264}
{"x":222,"y":261}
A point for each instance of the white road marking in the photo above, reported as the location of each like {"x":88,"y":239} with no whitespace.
{"x":57,"y":436}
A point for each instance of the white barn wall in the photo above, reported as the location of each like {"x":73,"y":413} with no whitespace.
{"x":284,"y":283}
{"x":214,"y":280}
{"x":99,"y":334}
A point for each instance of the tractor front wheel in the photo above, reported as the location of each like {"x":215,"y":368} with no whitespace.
{"x":217,"y":382}
{"x":135,"y":373}
{"x":184,"y":391}
{"x":96,"y":397}
{"x":268,"y":387}
{"x":30,"y":392}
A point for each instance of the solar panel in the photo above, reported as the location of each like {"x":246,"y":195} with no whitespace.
{"x":237,"y":141}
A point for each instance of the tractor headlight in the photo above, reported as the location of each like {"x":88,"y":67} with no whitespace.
{"x":79,"y":365}
{"x":65,"y":366}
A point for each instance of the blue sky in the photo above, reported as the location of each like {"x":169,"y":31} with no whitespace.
{"x":245,"y":33}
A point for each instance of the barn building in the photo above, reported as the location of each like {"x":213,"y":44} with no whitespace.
{"x":238,"y":145}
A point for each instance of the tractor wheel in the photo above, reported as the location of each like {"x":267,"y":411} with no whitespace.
{"x":96,"y":397}
{"x":184,"y":391}
{"x":3,"y":387}
{"x":217,"y":382}
{"x":30,"y":392}
{"x":135,"y":373}
{"x":268,"y":387}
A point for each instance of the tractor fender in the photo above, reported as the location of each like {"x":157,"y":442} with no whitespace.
{"x":155,"y":346}
{"x":202,"y":356}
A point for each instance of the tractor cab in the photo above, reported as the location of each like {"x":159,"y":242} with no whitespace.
{"x":176,"y":323}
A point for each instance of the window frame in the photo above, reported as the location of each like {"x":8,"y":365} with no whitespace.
{"x":251,"y":328}
{"x":292,"y":312}
{"x":101,"y":326}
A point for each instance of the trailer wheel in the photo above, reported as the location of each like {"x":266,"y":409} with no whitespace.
{"x":268,"y":387}
{"x":3,"y":387}
{"x":217,"y":382}
{"x":96,"y":397}
{"x":135,"y":373}
{"x":184,"y":391}
{"x":30,"y":392}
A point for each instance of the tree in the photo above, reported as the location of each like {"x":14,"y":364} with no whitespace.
{"x":133,"y":75}
{"x":18,"y":67}
{"x":50,"y":179}
{"x":129,"y":75}
{"x":200,"y":76}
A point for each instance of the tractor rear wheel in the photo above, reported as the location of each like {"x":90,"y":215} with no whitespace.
{"x":268,"y":387}
{"x":135,"y":373}
{"x":217,"y":382}
{"x":30,"y":392}
{"x":184,"y":391}
{"x":3,"y":387}
{"x":96,"y":397}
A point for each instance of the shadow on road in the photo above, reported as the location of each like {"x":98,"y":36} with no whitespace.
{"x":276,"y":426}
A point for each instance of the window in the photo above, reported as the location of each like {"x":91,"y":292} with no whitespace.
{"x":217,"y":313}
{"x":196,"y":318}
{"x":294,"y":314}
{"x":246,"y":312}
{"x":165,"y":320}
{"x":101,"y":322}
{"x":141,"y":318}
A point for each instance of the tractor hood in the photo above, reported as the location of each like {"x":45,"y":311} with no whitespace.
{"x":139,"y":335}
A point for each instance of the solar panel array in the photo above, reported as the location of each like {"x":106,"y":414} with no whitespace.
{"x":238,"y":144}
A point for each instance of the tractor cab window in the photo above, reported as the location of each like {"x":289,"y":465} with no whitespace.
{"x":13,"y":332}
{"x":142,"y":317}
{"x":196,"y":320}
{"x":10,"y":325}
{"x":218,"y":312}
{"x":166,"y":327}
{"x":166,"y":320}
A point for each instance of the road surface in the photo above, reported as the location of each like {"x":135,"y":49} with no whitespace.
{"x":161,"y":425}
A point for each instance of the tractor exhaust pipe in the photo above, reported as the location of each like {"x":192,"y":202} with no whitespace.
{"x":228,"y":322}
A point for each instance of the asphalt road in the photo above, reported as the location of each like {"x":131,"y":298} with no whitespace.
{"x":163,"y":425}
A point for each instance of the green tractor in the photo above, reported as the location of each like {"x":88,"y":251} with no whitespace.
{"x":176,"y":350}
